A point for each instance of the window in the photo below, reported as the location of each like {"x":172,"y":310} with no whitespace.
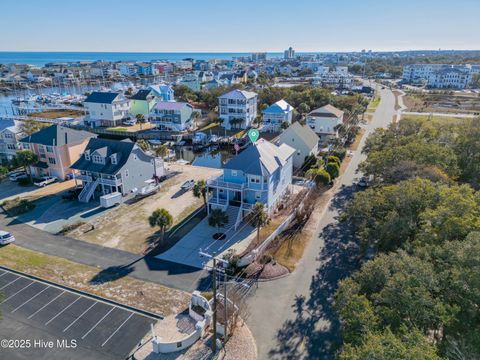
{"x":87,"y":156}
{"x":11,"y":146}
{"x":258,"y":195}
{"x":49,"y":149}
{"x":234,"y":173}
{"x":8,"y":135}
{"x":97,"y":159}
{"x":114,"y":159}
{"x":51,"y":160}
{"x":126,"y":172}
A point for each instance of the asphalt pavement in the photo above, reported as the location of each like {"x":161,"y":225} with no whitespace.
{"x":293,"y":318}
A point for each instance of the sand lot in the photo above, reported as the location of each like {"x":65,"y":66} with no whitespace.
{"x":127,"y":228}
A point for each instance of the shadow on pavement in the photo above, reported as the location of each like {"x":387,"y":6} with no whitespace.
{"x":113,"y":273}
{"x":314,"y":333}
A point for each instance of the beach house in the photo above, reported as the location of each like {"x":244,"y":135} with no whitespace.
{"x":324,"y":122}
{"x":106,"y":109}
{"x":57,"y":148}
{"x":261,"y":173}
{"x":143,"y":101}
{"x":303,"y":139}
{"x":277,"y":114}
{"x":172,"y":116}
{"x":238,"y":109}
{"x":108,"y":166}
{"x":10,"y":134}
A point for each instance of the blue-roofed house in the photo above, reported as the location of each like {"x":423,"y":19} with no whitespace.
{"x":277,"y":114}
{"x":260,"y":173}
{"x":165,"y":92}
{"x":106,"y":109}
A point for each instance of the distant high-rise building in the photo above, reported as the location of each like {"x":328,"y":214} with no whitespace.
{"x":289,"y":53}
{"x":259,"y":56}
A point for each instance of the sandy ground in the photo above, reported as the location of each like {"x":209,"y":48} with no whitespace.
{"x":241,"y":346}
{"x":127,"y":228}
{"x":12,"y":189}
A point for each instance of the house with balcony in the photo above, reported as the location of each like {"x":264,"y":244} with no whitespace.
{"x":10,"y":134}
{"x":238,"y":109}
{"x":277,"y":114}
{"x":172,"y":116}
{"x":108,"y":166}
{"x":143,"y":101}
{"x":106,"y":109}
{"x":57,"y":148}
{"x":324,"y":121}
{"x":260,"y":173}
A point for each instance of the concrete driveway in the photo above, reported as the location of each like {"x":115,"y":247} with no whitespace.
{"x":186,"y":251}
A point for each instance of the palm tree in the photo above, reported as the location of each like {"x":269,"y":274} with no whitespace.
{"x":161,"y":151}
{"x":218,"y":218}
{"x":161,"y":218}
{"x":140,"y":119}
{"x":143,"y":145}
{"x":201,"y":190}
{"x":25,"y":158}
{"x":258,"y":218}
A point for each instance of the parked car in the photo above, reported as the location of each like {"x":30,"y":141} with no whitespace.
{"x":187,"y":185}
{"x":6,"y":238}
{"x":130,"y":122}
{"x":16,"y":175}
{"x":44,"y":181}
{"x":362,"y":183}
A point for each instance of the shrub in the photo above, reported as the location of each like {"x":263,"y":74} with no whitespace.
{"x":25,"y":181}
{"x":339,"y":153}
{"x":322,"y":178}
{"x":334,"y":159}
{"x":18,"y":206}
{"x":333,"y":169}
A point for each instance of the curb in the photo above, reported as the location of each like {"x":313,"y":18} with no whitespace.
{"x":84,"y":293}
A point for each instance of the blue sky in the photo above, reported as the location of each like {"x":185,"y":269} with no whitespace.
{"x":238,"y":26}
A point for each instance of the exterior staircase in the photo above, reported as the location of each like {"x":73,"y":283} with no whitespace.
{"x":233,"y":213}
{"x":87,"y":191}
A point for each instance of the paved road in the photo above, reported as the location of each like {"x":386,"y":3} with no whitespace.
{"x":292,"y":318}
{"x":163,"y":272}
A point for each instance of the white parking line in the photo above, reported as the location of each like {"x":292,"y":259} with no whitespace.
{"x":53,"y":318}
{"x":99,"y":321}
{"x":74,"y":321}
{"x":33,"y":297}
{"x":44,"y":306}
{"x":5,"y":273}
{"x":19,"y":291}
{"x":128,"y":318}
{"x":4,"y":286}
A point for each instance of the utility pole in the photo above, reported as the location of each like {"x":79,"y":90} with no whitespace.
{"x":214,"y":285}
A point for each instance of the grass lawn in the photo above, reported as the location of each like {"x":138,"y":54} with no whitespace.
{"x":127,"y":290}
{"x":53,"y":114}
{"x":358,"y":138}
{"x":436,"y":119}
{"x":116,"y":129}
{"x":374,"y":103}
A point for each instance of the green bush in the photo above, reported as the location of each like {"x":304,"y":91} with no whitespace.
{"x":322,"y":178}
{"x":334,"y":159}
{"x":25,"y":181}
{"x":333,"y":169}
{"x":17,"y":206}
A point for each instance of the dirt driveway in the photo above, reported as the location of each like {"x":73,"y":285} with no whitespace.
{"x":127,"y":228}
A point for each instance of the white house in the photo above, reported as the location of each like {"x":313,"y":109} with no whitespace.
{"x":238,"y":109}
{"x":106,"y":109}
{"x":277,"y":114}
{"x":440,"y":75}
{"x":324,"y":121}
{"x":10,"y":134}
{"x":303,"y":139}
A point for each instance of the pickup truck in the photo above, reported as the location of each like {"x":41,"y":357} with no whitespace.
{"x":44,"y":181}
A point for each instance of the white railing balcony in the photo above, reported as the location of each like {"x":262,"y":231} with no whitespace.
{"x":85,"y":178}
{"x":219,"y":183}
{"x":214,"y":201}
{"x":111,"y":182}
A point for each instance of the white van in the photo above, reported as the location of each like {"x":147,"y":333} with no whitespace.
{"x":6,"y":238}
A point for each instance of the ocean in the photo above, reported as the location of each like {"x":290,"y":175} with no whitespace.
{"x":42,"y":58}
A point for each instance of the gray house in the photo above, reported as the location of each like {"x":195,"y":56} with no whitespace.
{"x":108,"y":166}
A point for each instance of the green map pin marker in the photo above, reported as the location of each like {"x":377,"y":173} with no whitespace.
{"x":253,"y":134}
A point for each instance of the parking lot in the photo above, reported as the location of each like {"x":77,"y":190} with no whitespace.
{"x":35,"y":310}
